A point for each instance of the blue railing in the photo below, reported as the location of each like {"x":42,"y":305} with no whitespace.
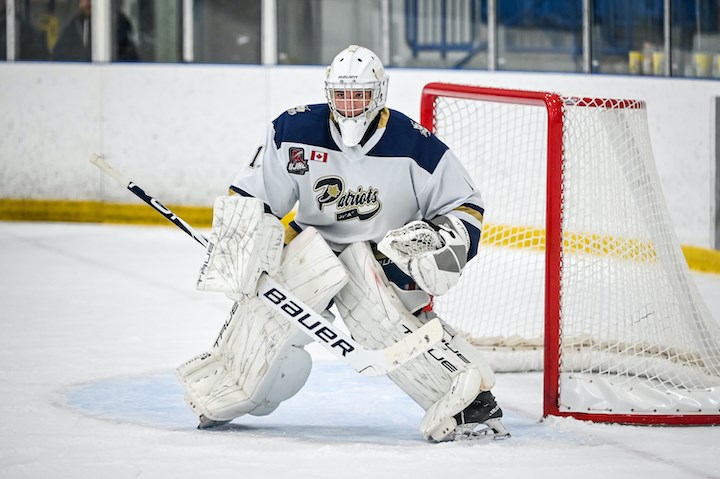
{"x":442,"y":25}
{"x":453,"y":25}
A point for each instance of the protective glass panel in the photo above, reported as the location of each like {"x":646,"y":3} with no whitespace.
{"x":312,"y":32}
{"x":227,"y":31}
{"x":536,"y":35}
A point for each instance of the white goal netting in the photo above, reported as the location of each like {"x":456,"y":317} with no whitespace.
{"x":634,"y":335}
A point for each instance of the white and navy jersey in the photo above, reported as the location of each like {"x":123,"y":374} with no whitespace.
{"x":402,"y":172}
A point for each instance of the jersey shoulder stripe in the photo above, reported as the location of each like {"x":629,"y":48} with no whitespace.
{"x":404,"y":137}
{"x":305,"y":124}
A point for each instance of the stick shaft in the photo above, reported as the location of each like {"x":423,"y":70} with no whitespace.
{"x":154,"y":203}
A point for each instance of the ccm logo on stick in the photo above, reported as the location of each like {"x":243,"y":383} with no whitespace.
{"x":297,"y":313}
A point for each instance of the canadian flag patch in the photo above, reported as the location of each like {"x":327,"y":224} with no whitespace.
{"x":319,"y":156}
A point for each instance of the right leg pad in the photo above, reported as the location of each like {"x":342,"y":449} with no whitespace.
{"x":445,"y":379}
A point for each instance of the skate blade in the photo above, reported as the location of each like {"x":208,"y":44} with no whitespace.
{"x":206,"y":423}
{"x":492,"y":429}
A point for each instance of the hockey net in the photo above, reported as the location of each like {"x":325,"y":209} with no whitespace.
{"x":579,"y":273}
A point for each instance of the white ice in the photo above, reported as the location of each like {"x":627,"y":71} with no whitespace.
{"x":94,"y":318}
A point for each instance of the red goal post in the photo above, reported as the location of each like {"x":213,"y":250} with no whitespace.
{"x":579,"y":271}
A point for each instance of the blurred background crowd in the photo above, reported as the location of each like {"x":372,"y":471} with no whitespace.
{"x":678,"y":38}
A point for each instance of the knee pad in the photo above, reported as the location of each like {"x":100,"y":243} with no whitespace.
{"x":289,"y":376}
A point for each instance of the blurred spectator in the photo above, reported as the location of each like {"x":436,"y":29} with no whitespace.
{"x":30,"y":41}
{"x":75,"y":41}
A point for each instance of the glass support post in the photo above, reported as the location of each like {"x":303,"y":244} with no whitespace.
{"x":10,"y":47}
{"x":101,"y":31}
{"x":492,"y":42}
{"x":587,"y":24}
{"x":667,"y":36}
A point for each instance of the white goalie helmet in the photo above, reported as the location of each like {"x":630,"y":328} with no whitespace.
{"x":356,"y":90}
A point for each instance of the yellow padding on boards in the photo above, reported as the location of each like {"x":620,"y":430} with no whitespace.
{"x":101,"y":212}
{"x":702,"y":259}
{"x":699,"y":259}
{"x":522,"y":237}
{"x":98,"y":212}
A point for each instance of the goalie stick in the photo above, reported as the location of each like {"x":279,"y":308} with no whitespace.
{"x":367,"y":362}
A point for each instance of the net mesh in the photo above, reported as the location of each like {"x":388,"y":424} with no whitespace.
{"x":631,"y":316}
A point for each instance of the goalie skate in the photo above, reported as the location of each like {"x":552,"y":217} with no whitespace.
{"x":480,"y":420}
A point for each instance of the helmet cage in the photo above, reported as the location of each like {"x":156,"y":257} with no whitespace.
{"x":354,"y":101}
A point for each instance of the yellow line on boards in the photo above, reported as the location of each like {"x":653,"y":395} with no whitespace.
{"x":699,"y":259}
{"x":98,"y":212}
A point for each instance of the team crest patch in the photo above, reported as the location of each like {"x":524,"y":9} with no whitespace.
{"x":423,"y":131}
{"x":297,"y":165}
{"x":361,"y":204}
{"x":298,"y":109}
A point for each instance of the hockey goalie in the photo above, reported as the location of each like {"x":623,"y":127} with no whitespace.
{"x":386,"y":217}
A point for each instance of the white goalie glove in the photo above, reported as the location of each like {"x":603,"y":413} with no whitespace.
{"x":433,"y":254}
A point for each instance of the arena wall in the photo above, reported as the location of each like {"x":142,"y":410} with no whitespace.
{"x":181,"y":131}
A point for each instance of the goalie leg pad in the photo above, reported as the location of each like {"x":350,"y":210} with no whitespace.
{"x":246,"y":372}
{"x":376,"y":317}
{"x":257,"y":360}
{"x":439,"y":422}
{"x":445,"y":379}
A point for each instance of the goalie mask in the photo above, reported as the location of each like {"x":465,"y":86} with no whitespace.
{"x":356,"y":90}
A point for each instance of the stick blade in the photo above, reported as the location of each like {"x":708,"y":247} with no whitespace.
{"x":415,"y":344}
{"x":411,"y":346}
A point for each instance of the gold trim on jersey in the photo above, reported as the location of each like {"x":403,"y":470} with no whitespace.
{"x":290,"y":232}
{"x":384,"y":117}
{"x":470,"y":211}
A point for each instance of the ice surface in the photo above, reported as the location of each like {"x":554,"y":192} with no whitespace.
{"x":94,"y":318}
